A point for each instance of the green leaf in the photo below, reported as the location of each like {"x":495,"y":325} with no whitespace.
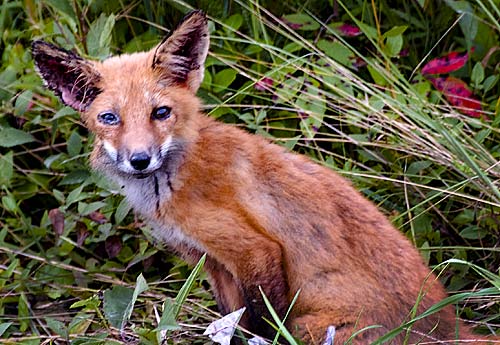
{"x":75,"y":177}
{"x":6,"y":274}
{"x":368,"y":30}
{"x":6,"y":168}
{"x":171,"y":310}
{"x":425,"y":252}
{"x":79,"y":326}
{"x":140,"y":286}
{"x":378,"y":77}
{"x":395,"y":31}
{"x":23,"y":312}
{"x":168,"y":321}
{"x":10,"y":137}
{"x":116,"y":303}
{"x":467,"y":216}
{"x":4,"y":326}
{"x":57,"y":327}
{"x":302,"y":21}
{"x":393,"y":45}
{"x":336,"y":51}
{"x":481,"y":135}
{"x":416,"y":167}
{"x":207,"y":81}
{"x":312,"y":102}
{"x":281,"y":325}
{"x":490,"y":82}
{"x":468,"y":22}
{"x":122,"y":211}
{"x":74,"y":145}
{"x":22,"y":102}
{"x":9,"y":203}
{"x":85,"y":209}
{"x":223,"y":79}
{"x":473,"y":232}
{"x":91,"y":303}
{"x":65,"y":111}
{"x":235,"y":21}
{"x":75,"y":195}
{"x":59,"y":196}
{"x":119,"y":302}
{"x":63,"y":6}
{"x":477,"y":75}
{"x":51,"y":159}
{"x":99,"y":36}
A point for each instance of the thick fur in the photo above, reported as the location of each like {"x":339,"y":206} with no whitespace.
{"x":266,"y":217}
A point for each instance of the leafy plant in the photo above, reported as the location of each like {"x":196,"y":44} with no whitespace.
{"x":345,"y":82}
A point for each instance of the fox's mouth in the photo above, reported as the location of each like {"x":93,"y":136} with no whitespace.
{"x":141,"y":176}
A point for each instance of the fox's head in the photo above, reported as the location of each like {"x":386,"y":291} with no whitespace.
{"x":140,"y":105}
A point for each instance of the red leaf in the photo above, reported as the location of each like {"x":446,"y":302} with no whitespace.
{"x":264,"y":84}
{"x":97,"y":217}
{"x":81,"y":233}
{"x":451,"y":86}
{"x":293,"y":26}
{"x":113,"y":246}
{"x":56,"y":218}
{"x":348,"y":30}
{"x":446,"y":64}
{"x":358,"y":62}
{"x":458,"y":95}
{"x":148,"y":262}
{"x":404,"y":53}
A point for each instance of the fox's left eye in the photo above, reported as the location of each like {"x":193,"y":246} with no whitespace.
{"x":161,"y":113}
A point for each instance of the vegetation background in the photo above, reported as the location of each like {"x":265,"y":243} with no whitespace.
{"x":354,"y":84}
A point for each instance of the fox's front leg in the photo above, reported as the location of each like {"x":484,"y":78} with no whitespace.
{"x":256,"y":262}
{"x":226,"y":290}
{"x":225,"y":287}
{"x":236,"y":275}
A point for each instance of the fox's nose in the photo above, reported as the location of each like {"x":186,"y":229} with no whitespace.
{"x":140,"y":160}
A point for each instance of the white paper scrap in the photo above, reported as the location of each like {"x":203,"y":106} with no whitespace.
{"x":330,"y":335}
{"x":257,"y":341}
{"x":221,"y":331}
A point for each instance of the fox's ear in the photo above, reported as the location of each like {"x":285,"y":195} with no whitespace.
{"x":71,"y":77}
{"x":180,"y":57}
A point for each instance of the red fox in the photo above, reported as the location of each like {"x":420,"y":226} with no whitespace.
{"x":265,"y":217}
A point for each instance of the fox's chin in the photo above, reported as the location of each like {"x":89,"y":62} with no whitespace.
{"x":141,"y":176}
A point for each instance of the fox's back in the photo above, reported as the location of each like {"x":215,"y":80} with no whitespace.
{"x":333,"y":239}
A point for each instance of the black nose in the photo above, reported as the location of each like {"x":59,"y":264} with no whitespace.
{"x":140,"y":160}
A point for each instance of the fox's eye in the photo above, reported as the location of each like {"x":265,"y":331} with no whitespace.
{"x":161,"y":113}
{"x":108,"y":118}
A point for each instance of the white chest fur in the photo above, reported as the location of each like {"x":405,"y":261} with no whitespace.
{"x":146,"y":196}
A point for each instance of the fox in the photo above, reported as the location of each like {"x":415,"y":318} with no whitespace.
{"x":271,"y":222}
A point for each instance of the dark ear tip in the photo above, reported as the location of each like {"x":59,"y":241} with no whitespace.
{"x":194,"y":15}
{"x":35,"y":45}
{"x":39,"y":45}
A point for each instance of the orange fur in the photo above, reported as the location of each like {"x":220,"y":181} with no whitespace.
{"x":266,"y":217}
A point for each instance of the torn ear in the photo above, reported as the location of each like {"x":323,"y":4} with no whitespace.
{"x":180,"y":57}
{"x":72,"y":78}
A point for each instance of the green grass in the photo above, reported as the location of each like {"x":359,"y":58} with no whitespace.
{"x":380,"y":123}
